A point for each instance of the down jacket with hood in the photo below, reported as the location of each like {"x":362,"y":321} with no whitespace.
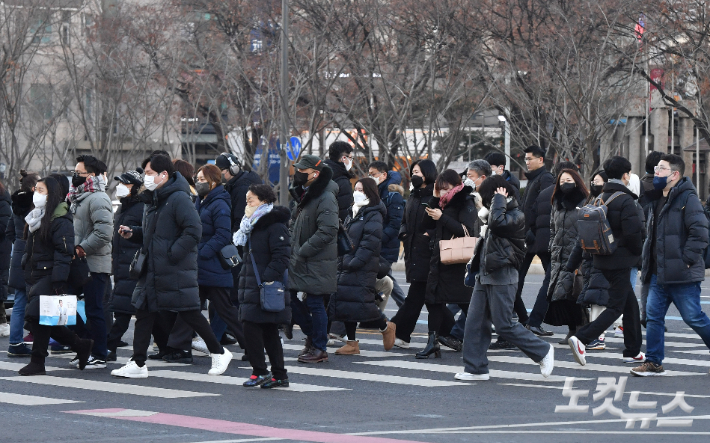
{"x":446,"y":282}
{"x":415,"y":236}
{"x":214,"y":209}
{"x":394,"y":202}
{"x":538,"y":229}
{"x":314,"y":232}
{"x":563,"y":239}
{"x":170,"y":233}
{"x":270,"y":244}
{"x":354,"y":301}
{"x":123,"y":250}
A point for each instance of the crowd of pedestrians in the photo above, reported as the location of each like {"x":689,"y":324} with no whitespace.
{"x":181,"y":240}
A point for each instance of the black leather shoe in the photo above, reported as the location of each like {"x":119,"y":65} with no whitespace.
{"x":160,"y":354}
{"x":227,"y":340}
{"x":111,"y":356}
{"x":502,"y":344}
{"x":432,"y":347}
{"x":255,"y":381}
{"x":273,"y":383}
{"x":451,"y":343}
{"x":34,"y":368}
{"x":313,"y":356}
{"x":178,"y":356}
{"x":537,"y":330}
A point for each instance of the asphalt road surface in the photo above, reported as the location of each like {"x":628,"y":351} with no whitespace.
{"x":376,"y":397}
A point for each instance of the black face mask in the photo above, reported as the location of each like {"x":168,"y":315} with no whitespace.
{"x":77,"y":180}
{"x":300,"y":178}
{"x":202,"y":188}
{"x":566,"y":188}
{"x":596,"y":190}
{"x":417,"y":181}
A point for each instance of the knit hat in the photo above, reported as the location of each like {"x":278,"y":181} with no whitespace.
{"x":131,"y":177}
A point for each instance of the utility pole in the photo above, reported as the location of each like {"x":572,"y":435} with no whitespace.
{"x":284,"y":137}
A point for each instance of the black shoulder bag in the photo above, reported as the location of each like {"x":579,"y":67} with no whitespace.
{"x":272,"y":295}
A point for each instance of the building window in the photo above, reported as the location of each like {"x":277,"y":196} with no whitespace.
{"x":41,"y":30}
{"x":65,"y":27}
{"x":41,"y":100}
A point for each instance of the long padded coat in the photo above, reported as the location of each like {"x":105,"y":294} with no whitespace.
{"x":214,"y":210}
{"x":170,"y":233}
{"x":129,"y":214}
{"x":563,"y":239}
{"x":354,"y":300}
{"x":415,"y":236}
{"x":445,"y":282}
{"x":270,"y":245}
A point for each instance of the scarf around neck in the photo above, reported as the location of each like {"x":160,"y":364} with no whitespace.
{"x":357,"y":205}
{"x":34,"y":218}
{"x":241,"y":237}
{"x":92,"y":184}
{"x":443,"y":201}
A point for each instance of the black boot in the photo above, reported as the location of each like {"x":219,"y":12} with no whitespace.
{"x":570,"y":333}
{"x":432,"y":347}
{"x":36,"y":366}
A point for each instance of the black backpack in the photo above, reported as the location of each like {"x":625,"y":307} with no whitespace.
{"x":593,"y":228}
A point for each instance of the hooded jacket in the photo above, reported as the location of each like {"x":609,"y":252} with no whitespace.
{"x":93,"y":227}
{"x":354,"y":301}
{"x":626,"y":226}
{"x":237,"y":188}
{"x":170,"y":233}
{"x":681,"y":237}
{"x":563,"y":239}
{"x":446,"y":282}
{"x":314,"y":230}
{"x":415,"y":236}
{"x":215,"y":215}
{"x":271,"y":248}
{"x":341,"y":177}
{"x":393,"y":220}
{"x":130,"y":213}
{"x":15,"y":232}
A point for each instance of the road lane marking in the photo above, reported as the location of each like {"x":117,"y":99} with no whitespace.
{"x":32,"y":400}
{"x":587,"y":367}
{"x":235,"y":381}
{"x":363,"y":376}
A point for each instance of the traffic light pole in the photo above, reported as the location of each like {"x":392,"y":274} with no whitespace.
{"x":284,"y":136}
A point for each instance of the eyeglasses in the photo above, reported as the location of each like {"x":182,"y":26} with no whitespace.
{"x":350,"y":157}
{"x":80,"y":173}
{"x":660,"y":168}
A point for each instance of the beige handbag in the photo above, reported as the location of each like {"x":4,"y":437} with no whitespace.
{"x":457,"y":250}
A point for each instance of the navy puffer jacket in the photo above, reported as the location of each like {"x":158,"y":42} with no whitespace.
{"x":354,"y":300}
{"x":394,"y":202}
{"x":129,"y":214}
{"x":214,"y":210}
{"x":15,"y":232}
{"x":681,"y":237}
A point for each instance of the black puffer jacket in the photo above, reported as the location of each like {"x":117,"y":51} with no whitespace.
{"x":122,"y":251}
{"x":170,"y":233}
{"x":626,"y":226}
{"x":341,"y":177}
{"x":563,"y":239}
{"x":543,"y":214}
{"x":237,"y":187}
{"x":394,"y":202}
{"x":47,"y":261}
{"x":504,"y":242}
{"x":681,"y":237}
{"x":538,"y":180}
{"x":271,"y":248}
{"x":445,"y":282}
{"x":5,"y":243}
{"x":417,"y":248}
{"x":354,"y":301}
{"x":15,"y":232}
{"x":513,"y":180}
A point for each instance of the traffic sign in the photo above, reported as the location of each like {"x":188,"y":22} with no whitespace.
{"x":294,"y":148}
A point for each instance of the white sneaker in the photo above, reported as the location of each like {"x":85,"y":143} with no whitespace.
{"x":4,"y":329}
{"x":131,"y":370}
{"x":467,"y":376}
{"x":398,"y":342}
{"x":74,"y":363}
{"x":638,"y":359}
{"x":619,"y":332}
{"x":220,"y":362}
{"x":578,"y":350}
{"x":548,"y":363}
{"x":199,"y":345}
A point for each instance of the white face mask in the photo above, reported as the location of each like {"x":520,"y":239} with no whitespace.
{"x":122,"y":190}
{"x":471,"y":183}
{"x":483,"y":214}
{"x":39,"y":200}
{"x":376,"y":179}
{"x":149,"y":182}
{"x":348,"y":164}
{"x":411,"y":187}
{"x":359,"y":197}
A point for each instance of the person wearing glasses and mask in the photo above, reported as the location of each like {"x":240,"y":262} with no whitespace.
{"x":340,"y":161}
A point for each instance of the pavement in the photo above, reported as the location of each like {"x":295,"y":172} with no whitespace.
{"x":376,"y":397}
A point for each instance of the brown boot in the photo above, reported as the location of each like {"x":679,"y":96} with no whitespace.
{"x":314,"y":356}
{"x":307,"y":348}
{"x":352,"y":347}
{"x":388,"y":335}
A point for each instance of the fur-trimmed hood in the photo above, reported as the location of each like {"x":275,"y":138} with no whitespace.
{"x":279,"y":214}
{"x":396,"y":188}
{"x":315,"y":190}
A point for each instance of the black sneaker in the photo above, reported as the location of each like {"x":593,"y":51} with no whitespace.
{"x":122,"y":344}
{"x":19,"y":350}
{"x":539,"y":331}
{"x":227,"y":340}
{"x":178,"y":356}
{"x":111,"y":356}
{"x":95,"y":363}
{"x":257,"y":380}
{"x":273,"y":383}
{"x":502,"y":344}
{"x":451,"y":343}
{"x":160,"y":354}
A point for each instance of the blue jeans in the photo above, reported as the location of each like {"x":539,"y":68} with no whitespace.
{"x":219,"y":327}
{"x":311,"y":317}
{"x":17,"y":320}
{"x":397,"y":292}
{"x":634,"y":275}
{"x":686,"y":298}
{"x":459,"y":327}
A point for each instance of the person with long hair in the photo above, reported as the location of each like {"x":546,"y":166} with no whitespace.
{"x":568,"y":196}
{"x":354,"y":301}
{"x":450,"y":213}
{"x":416,"y":239}
{"x":47,"y":260}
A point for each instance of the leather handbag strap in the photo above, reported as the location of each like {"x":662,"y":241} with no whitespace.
{"x":465,"y":231}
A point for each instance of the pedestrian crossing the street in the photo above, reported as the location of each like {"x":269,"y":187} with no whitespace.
{"x":686,"y":356}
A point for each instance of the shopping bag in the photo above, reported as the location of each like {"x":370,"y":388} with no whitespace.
{"x":57,"y":310}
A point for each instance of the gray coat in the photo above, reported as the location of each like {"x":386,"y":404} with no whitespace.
{"x":93,"y":228}
{"x":313,"y":267}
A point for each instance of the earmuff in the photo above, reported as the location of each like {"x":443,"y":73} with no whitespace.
{"x":234,"y":165}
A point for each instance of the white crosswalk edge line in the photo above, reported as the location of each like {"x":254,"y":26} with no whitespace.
{"x":32,"y":400}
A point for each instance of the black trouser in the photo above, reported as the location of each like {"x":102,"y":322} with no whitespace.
{"x":42,"y":334}
{"x":108,"y":313}
{"x":120,"y":326}
{"x":441,"y":319}
{"x":519,"y":306}
{"x":234,"y":298}
{"x":351,"y":327}
{"x":537,"y":315}
{"x":181,"y":333}
{"x":144,"y":326}
{"x":260,"y":336}
{"x":622,"y":300}
{"x":408,"y":314}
